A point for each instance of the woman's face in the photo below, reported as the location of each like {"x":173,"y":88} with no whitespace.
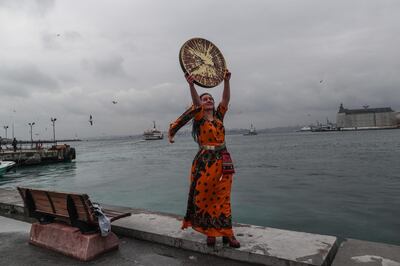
{"x":207,"y":101}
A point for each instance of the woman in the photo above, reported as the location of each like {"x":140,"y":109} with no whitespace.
{"x":209,"y":208}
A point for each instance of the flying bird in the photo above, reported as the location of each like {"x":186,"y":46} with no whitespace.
{"x":321,"y":81}
{"x":91,"y":120}
{"x":114,"y":102}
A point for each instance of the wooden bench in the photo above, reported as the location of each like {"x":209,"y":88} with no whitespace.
{"x":59,"y":213}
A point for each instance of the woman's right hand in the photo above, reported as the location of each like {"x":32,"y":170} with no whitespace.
{"x":170,"y":138}
{"x":189,"y":79}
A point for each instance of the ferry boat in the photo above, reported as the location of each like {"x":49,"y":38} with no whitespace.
{"x":305,"y":129}
{"x":5,"y":166}
{"x":252,"y":131}
{"x":153,"y":134}
{"x":329,"y":126}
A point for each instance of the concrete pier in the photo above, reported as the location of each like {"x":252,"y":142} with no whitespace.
{"x":260,"y":245}
{"x":57,"y":153}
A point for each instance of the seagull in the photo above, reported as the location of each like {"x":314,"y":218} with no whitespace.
{"x":114,"y":102}
{"x":91,"y":120}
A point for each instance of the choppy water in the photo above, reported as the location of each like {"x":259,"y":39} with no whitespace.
{"x":338,"y":183}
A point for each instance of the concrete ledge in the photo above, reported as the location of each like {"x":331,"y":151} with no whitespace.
{"x":261,"y":245}
{"x":11,"y":206}
{"x":357,"y":252}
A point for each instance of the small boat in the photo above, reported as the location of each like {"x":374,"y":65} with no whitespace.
{"x":5,"y":166}
{"x":329,"y":126}
{"x":252,"y":131}
{"x":153,"y":134}
{"x":305,"y":129}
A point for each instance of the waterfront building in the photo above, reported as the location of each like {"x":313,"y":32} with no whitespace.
{"x":367,"y":118}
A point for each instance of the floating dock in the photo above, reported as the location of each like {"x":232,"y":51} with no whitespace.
{"x":54,"y":154}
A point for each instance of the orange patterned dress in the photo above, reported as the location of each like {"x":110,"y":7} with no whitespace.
{"x":209,"y":207}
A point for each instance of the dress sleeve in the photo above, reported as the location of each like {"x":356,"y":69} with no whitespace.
{"x":199,"y":114}
{"x":192,"y":112}
{"x":221,"y":110}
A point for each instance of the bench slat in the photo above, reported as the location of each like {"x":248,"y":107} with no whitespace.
{"x":42,"y":202}
{"x":58,"y":215}
{"x":39,"y":196}
{"x":46,"y":210}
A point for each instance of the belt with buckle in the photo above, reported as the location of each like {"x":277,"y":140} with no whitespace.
{"x":213,"y":148}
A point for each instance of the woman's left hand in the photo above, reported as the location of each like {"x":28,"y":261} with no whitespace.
{"x":189,"y":79}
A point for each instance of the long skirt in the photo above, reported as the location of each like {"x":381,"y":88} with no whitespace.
{"x":209,"y":207}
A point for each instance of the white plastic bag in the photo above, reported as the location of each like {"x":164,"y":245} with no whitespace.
{"x":104,"y":221}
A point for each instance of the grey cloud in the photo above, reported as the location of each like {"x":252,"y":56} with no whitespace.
{"x":23,"y":80}
{"x":278,"y":52}
{"x":50,"y":41}
{"x":35,"y":7}
{"x":68,"y":79}
{"x":13,"y":90}
{"x":106,"y":67}
{"x":110,"y":66}
{"x":72,"y":36}
{"x":58,"y":40}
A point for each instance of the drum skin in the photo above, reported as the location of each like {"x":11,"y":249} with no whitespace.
{"x":204,"y":61}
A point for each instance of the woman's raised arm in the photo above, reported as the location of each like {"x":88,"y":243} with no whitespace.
{"x":193,"y":92}
{"x":226,"y":95}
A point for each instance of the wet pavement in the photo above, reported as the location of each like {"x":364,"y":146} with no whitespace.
{"x":15,"y":250}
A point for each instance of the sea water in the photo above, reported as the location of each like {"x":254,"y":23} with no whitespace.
{"x":345,"y":184}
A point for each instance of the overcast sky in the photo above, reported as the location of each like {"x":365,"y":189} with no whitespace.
{"x":292,"y":62}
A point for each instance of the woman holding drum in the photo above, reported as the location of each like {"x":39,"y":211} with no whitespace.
{"x":208,"y":208}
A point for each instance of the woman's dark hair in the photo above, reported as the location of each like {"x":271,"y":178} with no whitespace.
{"x":196,"y":124}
